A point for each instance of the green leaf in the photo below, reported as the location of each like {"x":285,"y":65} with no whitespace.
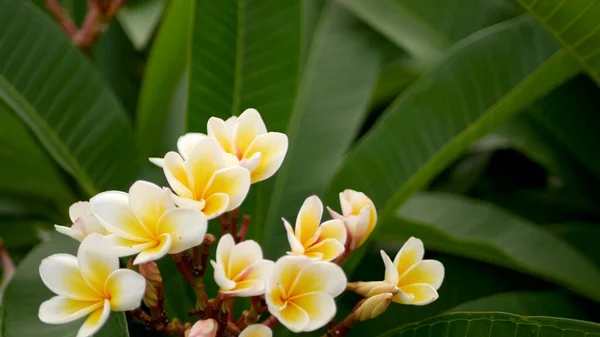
{"x":496,"y":325}
{"x":458,"y":225}
{"x":582,"y":235}
{"x":20,"y":233}
{"x":46,"y":81}
{"x":556,"y":303}
{"x":139,"y":20}
{"x":162,"y":77}
{"x":26,"y":170}
{"x":575,"y":25}
{"x":475,"y":88}
{"x":25,"y":293}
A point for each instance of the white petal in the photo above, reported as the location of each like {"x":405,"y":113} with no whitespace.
{"x":95,"y":321}
{"x":272,"y":146}
{"x":252,"y":281}
{"x":230,"y":125}
{"x":148,"y":202}
{"x":60,"y":273}
{"x":292,"y":317}
{"x":242,"y":256}
{"x":345,"y":202}
{"x":178,"y":175}
{"x":410,"y":254}
{"x":79,"y":209}
{"x":160,"y":162}
{"x":156,"y":252}
{"x":216,"y":129}
{"x":391,"y":273}
{"x":125,"y":247}
{"x":320,"y":308}
{"x":112,"y":208}
{"x":59,"y":309}
{"x":96,"y":262}
{"x":233,"y":181}
{"x":420,"y":294}
{"x":186,"y":227}
{"x":309,"y":219}
{"x":426,"y":271}
{"x":257,"y":330}
{"x":251,"y":163}
{"x":187,"y":203}
{"x":249,"y":126}
{"x":295,"y":244}
{"x":126,"y":289}
{"x":72,"y":232}
{"x":224,"y":249}
{"x":221,"y":279}
{"x":187,"y":142}
{"x":334,"y":214}
{"x":321,"y":277}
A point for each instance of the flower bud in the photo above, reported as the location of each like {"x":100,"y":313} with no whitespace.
{"x":203,"y":328}
{"x":373,"y":306}
{"x":368,"y":289}
{"x":150,"y":271}
{"x":359,"y":215}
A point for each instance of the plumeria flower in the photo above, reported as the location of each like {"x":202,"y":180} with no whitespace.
{"x":300,"y":292}
{"x":146,"y":221}
{"x":84,"y":222}
{"x":359,"y":215}
{"x":240,"y":269}
{"x":311,"y":238}
{"x":89,"y":284}
{"x":417,"y":279}
{"x":257,"y":330}
{"x":204,"y":180}
{"x":203,"y":328}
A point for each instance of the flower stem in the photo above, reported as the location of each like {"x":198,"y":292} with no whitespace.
{"x":244,"y":229}
{"x":271,"y":322}
{"x":233,"y":224}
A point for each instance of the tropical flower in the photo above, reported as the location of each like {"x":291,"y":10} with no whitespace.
{"x":417,"y":279}
{"x":84,"y":222}
{"x":89,"y":284}
{"x":203,"y":328}
{"x":257,"y":330}
{"x":359,"y":215}
{"x":240,"y":270}
{"x":311,"y":238}
{"x":204,"y":180}
{"x":146,"y":221}
{"x":300,"y":292}
{"x":368,"y":289}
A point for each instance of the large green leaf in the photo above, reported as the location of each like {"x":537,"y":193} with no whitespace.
{"x":50,"y":85}
{"x":582,"y":235}
{"x":25,"y":293}
{"x":496,"y":325}
{"x":457,"y":225}
{"x":164,"y":72}
{"x":139,"y":20}
{"x":475,"y":88}
{"x":575,"y":25}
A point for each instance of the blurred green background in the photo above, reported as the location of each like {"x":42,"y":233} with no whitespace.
{"x":472,"y":124}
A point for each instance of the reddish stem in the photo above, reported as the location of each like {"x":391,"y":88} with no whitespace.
{"x":183,"y":269}
{"x":244,"y":229}
{"x":224,"y":219}
{"x":61,"y":15}
{"x":271,"y":322}
{"x":209,"y":239}
{"x":234,"y":220}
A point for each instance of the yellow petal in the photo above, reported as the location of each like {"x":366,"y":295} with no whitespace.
{"x":59,"y":309}
{"x":257,"y":330}
{"x":160,"y":249}
{"x":178,"y":175}
{"x":328,"y":249}
{"x":96,"y":262}
{"x":125,"y":289}
{"x":203,"y":162}
{"x":60,"y":273}
{"x":95,"y":321}
{"x":308,"y":219}
{"x":333,"y":229}
{"x":125,"y":247}
{"x":148,"y":202}
{"x":251,"y":281}
{"x":391,"y":273}
{"x":320,"y":308}
{"x":320,"y":276}
{"x":361,"y":229}
{"x":426,"y":271}
{"x":216,"y":129}
{"x":242,"y":256}
{"x":410,"y":254}
{"x":224,"y":249}
{"x":233,"y":181}
{"x":286,"y":271}
{"x":272,"y":147}
{"x":187,"y":143}
{"x":293,"y":317}
{"x":224,"y":283}
{"x":295,"y":244}
{"x":112,"y":208}
{"x":186,"y":227}
{"x":420,"y":294}
{"x":215,"y":205}
{"x":186,"y":202}
{"x":276,"y":298}
{"x":249,"y":126}
{"x":246,"y":289}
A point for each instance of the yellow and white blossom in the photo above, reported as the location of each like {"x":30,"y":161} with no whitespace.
{"x":257,"y":330}
{"x":146,"y":221}
{"x":373,"y":306}
{"x":368,"y":289}
{"x":240,"y":269}
{"x":300,"y":292}
{"x":359,"y":215}
{"x":90,"y":284}
{"x":204,"y":180}
{"x":311,"y":238}
{"x":84,"y":222}
{"x":417,"y":279}
{"x":203,"y":328}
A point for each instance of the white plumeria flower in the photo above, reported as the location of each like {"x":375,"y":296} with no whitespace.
{"x":257,"y":330}
{"x":203,"y":328}
{"x":359,"y":215}
{"x":146,"y":221}
{"x":84,"y":222}
{"x":300,"y":292}
{"x":89,"y":284}
{"x":204,"y":180}
{"x":417,"y":279}
{"x":240,"y":270}
{"x":246,"y":141}
{"x":311,"y":238}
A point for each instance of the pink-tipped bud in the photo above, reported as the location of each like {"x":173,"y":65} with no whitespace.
{"x":373,"y":306}
{"x":203,"y":328}
{"x":150,"y":271}
{"x":369,"y":289}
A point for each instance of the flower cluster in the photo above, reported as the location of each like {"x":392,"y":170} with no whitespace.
{"x":209,"y":178}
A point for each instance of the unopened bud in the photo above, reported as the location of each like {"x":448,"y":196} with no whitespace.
{"x":203,"y":328}
{"x":150,"y":271}
{"x":373,"y":306}
{"x":368,"y":289}
{"x":150,"y":296}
